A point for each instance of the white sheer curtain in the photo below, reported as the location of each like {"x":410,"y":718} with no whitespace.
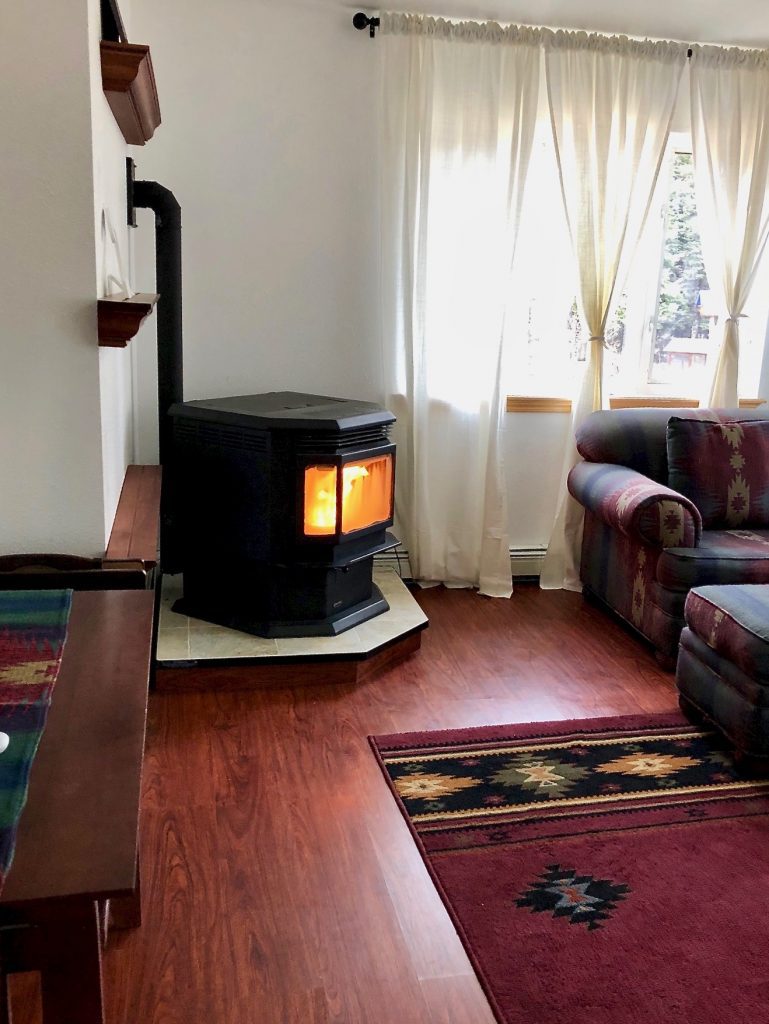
{"x":611,"y":104}
{"x":459,"y":114}
{"x":730,"y":138}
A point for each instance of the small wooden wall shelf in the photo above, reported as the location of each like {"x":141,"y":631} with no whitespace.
{"x":120,"y":319}
{"x":129,"y":85}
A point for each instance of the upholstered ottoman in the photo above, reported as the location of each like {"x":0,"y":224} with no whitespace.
{"x":723,"y":662}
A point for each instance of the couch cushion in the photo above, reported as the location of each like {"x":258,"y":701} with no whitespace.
{"x":730,"y":698}
{"x":723,"y":556}
{"x":627,"y":437}
{"x":723,"y":468}
{"x":669,"y":601}
{"x":734,"y":622}
{"x":751,"y":688}
{"x":639,"y":507}
{"x":636,"y":438}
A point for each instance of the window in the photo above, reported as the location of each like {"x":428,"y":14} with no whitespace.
{"x":670,"y":319}
{"x":665,"y":326}
{"x":546,"y":339}
{"x":683,"y":328}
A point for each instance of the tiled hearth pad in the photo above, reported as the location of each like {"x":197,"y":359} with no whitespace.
{"x":196,"y":646}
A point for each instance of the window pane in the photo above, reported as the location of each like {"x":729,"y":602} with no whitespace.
{"x":753,"y":330}
{"x":686,"y":320}
{"x":544,"y":337}
{"x":665,"y":323}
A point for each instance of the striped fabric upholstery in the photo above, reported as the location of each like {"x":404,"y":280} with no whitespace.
{"x":636,"y":505}
{"x":637,"y":438}
{"x":722,"y":556}
{"x":732,"y":700}
{"x":643,"y":544}
{"x":723,"y":662}
{"x":620,"y":571}
{"x":734,"y":621}
{"x":722,"y":467}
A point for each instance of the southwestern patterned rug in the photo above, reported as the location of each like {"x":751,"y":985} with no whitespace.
{"x":609,"y":870}
{"x":33,"y":628}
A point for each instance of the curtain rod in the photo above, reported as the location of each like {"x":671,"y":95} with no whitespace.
{"x":362,"y":21}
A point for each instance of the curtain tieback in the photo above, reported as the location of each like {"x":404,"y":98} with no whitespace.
{"x":598,"y":337}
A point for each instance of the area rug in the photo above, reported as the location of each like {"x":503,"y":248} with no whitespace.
{"x":33,"y":628}
{"x":610,"y":870}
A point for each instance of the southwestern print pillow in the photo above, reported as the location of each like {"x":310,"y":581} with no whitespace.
{"x":723,"y":468}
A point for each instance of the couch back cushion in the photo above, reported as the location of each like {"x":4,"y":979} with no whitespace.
{"x":637,"y":438}
{"x":723,"y":468}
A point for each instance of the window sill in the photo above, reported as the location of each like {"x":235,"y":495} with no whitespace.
{"x":646,"y":402}
{"x":530,"y":403}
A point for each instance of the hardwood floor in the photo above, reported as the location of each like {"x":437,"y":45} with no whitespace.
{"x":281,"y":885}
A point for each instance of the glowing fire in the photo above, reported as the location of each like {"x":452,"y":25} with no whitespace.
{"x":366,"y":494}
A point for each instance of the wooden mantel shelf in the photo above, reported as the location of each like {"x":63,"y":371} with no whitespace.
{"x":120,"y":319}
{"x":128,"y":81}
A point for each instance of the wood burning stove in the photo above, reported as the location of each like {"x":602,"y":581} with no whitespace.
{"x":281,"y":502}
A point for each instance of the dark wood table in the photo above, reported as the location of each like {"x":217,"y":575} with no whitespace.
{"x":77,"y":845}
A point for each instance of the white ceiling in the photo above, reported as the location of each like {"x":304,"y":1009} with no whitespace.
{"x":742,"y":22}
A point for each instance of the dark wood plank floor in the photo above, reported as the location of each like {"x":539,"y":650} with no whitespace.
{"x":280,"y":883}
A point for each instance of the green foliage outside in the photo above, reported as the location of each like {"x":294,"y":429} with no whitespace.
{"x":683,"y":269}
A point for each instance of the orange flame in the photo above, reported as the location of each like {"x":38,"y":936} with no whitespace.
{"x":366,"y":490}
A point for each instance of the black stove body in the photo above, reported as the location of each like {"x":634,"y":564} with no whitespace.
{"x":281,"y":502}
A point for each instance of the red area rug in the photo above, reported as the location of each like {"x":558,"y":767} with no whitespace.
{"x":611,"y":871}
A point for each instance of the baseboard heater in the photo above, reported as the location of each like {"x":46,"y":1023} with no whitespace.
{"x":525,"y":563}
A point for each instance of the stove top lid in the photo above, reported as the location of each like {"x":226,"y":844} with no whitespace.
{"x":285,"y":410}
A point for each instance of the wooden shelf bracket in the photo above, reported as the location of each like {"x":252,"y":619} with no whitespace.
{"x":128,"y":81}
{"x":120,"y":319}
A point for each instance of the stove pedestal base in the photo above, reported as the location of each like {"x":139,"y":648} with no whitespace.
{"x":195,"y":655}
{"x":246,"y":617}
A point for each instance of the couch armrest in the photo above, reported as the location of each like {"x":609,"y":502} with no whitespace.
{"x":639,"y":507}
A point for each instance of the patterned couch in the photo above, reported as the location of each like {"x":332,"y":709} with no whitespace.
{"x":674,"y":499}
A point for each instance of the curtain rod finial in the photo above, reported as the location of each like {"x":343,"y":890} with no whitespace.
{"x":361,"y":21}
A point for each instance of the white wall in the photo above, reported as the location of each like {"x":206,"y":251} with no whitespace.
{"x":65,"y":405}
{"x":534,"y":445}
{"x":50,"y":446}
{"x":111,"y":261}
{"x":269,"y":142}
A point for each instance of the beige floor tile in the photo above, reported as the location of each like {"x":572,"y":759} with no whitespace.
{"x":216,"y":642}
{"x":171,"y":620}
{"x":206,"y":640}
{"x":173,"y":645}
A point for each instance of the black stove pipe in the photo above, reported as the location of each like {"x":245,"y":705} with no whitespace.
{"x":168,"y":277}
